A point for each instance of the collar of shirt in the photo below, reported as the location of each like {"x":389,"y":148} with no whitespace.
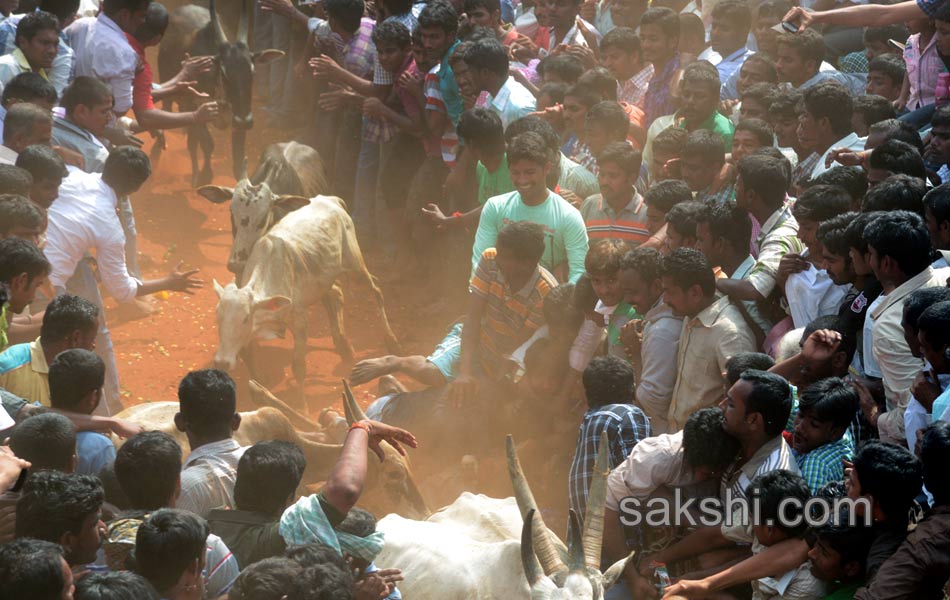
{"x":775,"y":221}
{"x":68,"y":125}
{"x":37,"y":357}
{"x":708,"y":316}
{"x":500,"y":100}
{"x":7,"y":156}
{"x":901,"y":291}
{"x":526,"y":290}
{"x":24,"y":64}
{"x":744,"y":267}
{"x":105,"y":20}
{"x":632,"y":207}
{"x":659,"y":310}
{"x":214,"y":448}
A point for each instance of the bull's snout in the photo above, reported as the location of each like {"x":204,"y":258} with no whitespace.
{"x":245,"y":122}
{"x":222,"y":363}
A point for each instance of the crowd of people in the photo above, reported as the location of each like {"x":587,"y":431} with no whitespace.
{"x":716,"y":232}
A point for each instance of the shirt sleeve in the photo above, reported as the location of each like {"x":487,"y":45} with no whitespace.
{"x":110,"y":258}
{"x":733,"y":338}
{"x":576,"y":244}
{"x":487,"y":233}
{"x":60,"y":73}
{"x":901,"y":575}
{"x":763,"y":274}
{"x":118,"y":71}
{"x":142,"y":89}
{"x":658,"y":362}
{"x":585,"y":345}
{"x":484,"y":275}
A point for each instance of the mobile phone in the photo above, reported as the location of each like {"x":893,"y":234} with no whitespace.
{"x":785,"y":27}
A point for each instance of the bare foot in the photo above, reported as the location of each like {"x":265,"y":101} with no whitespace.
{"x":371,"y":368}
{"x":390,"y":385}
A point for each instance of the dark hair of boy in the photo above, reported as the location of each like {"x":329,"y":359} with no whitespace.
{"x":610,"y":116}
{"x":584,"y":297}
{"x":559,"y":305}
{"x":482,"y":129}
{"x":33,"y":569}
{"x":664,"y":18}
{"x":489,"y":5}
{"x":774,"y":491}
{"x":490,"y":55}
{"x":686,"y":267}
{"x":935,"y":455}
{"x":766,"y":176}
{"x":770,"y":396}
{"x":604,"y":257}
{"x":524,"y":241}
{"x":728,"y":222}
{"x":600,"y":80}
{"x":53,"y":506}
{"x":439,"y":14}
{"x":18,"y":211}
{"x":155,"y":24}
{"x":898,"y":157}
{"x":392,"y":33}
{"x":608,"y":380}
{"x":763,"y":93}
{"x":624,"y":39}
{"x":35,"y":22}
{"x":267,"y":477}
{"x":348,"y":13}
{"x":683,"y":218}
{"x":584,"y":94}
{"x":43,"y":163}
{"x":873,"y":108}
{"x":809,"y":45}
{"x":322,"y":581}
{"x":705,"y":444}
{"x":761,"y":130}
{"x":207,"y":401}
{"x":314,"y":554}
{"x":645,"y":261}
{"x":819,"y":203}
{"x":148,"y":466}
{"x":705,"y":145}
{"x":832,"y":101}
{"x":671,"y":141}
{"x":832,"y":399}
{"x":554,"y":90}
{"x":74,"y":375}
{"x":855,"y":232}
{"x":937,"y":202}
{"x":934,"y":324}
{"x":902,"y":236}
{"x":47,"y":440}
{"x":126,"y":169}
{"x":851,"y":543}
{"x":664,"y":195}
{"x":28,"y":87}
{"x":895,"y":129}
{"x":891,"y":66}
{"x":621,"y":154}
{"x":168,"y":543}
{"x":920,"y":300}
{"x":15,"y":180}
{"x":897,"y":192}
{"x":67,"y":314}
{"x":849,"y":339}
{"x":737,"y":364}
{"x":267,"y":579}
{"x":884,"y":33}
{"x":785,"y":106}
{"x":530,"y":147}
{"x":891,"y":475}
{"x":852,"y":179}
{"x":771,"y":75}
{"x":539,"y":127}
{"x":567,"y":67}
{"x":703,"y":73}
{"x":116,"y":585}
{"x":20,"y":256}
{"x":87,"y":91}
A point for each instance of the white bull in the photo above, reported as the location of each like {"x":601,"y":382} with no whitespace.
{"x":290,"y":268}
{"x":471,"y":549}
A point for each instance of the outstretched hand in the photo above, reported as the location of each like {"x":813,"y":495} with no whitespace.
{"x":184,"y":281}
{"x":379,"y":432}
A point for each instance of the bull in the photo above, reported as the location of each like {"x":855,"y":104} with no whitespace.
{"x":287,"y":176}
{"x":290,"y":268}
{"x":196,"y":31}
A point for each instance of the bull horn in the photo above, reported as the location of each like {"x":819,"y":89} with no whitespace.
{"x":219,"y":36}
{"x":575,"y":545}
{"x":261,"y":396}
{"x":548,"y":547}
{"x":532,"y":568}
{"x":242,"y":24}
{"x":596,"y":505}
{"x":351,"y":408}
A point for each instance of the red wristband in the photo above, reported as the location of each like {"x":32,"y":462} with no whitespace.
{"x":359,"y":425}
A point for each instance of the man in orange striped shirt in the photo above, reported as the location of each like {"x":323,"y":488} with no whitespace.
{"x":618,"y":212}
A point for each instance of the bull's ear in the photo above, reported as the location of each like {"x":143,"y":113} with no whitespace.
{"x":265,"y":56}
{"x":612,"y":574}
{"x":217,"y":288}
{"x":216,"y":193}
{"x":289,"y":203}
{"x":273,"y":304}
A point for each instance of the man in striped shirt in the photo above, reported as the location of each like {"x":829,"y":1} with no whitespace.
{"x":618,"y":211}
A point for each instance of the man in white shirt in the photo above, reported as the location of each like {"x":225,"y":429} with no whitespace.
{"x":208,"y":416}
{"x":825,"y":122}
{"x":731,"y":22}
{"x":487,"y":62}
{"x":84,"y":218}
{"x":103,"y":51}
{"x":24,"y":125}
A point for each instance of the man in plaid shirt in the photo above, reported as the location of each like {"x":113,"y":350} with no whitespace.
{"x":608,"y":385}
{"x":820,"y":440}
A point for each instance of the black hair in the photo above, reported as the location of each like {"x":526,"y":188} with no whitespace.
{"x":774,"y":8}
{"x":771,"y":79}
{"x":35,"y":22}
{"x":524,"y":239}
{"x":821,"y":202}
{"x":938,"y":201}
{"x":645,"y":261}
{"x":550,"y":139}
{"x":358,"y":522}
{"x":555,"y":90}
{"x":20,"y":256}
{"x":314,"y":554}
{"x":808,"y":44}
{"x":705,"y":443}
{"x":392,"y":33}
{"x":155,"y":24}
{"x":567,"y":67}
{"x":664,"y":18}
{"x":19,"y":211}
{"x":705,"y":145}
{"x":920,"y":300}
{"x":115,"y":585}
{"x":729,"y":222}
{"x":267,"y":475}
{"x":774,"y":490}
{"x":612,"y":117}
{"x":664,"y":195}
{"x":488,"y":54}
{"x":841,"y":325}
{"x":830,"y":100}
{"x":267,"y":579}
{"x":148,"y":466}
{"x":884,"y":33}
{"x":903,"y":236}
{"x":831,"y":399}
{"x":126,"y":169}
{"x":735,"y":11}
{"x":47,"y":440}
{"x":766,"y":176}
{"x":898,"y":158}
{"x":687,"y":267}
{"x":28,"y":87}
{"x":43,"y":163}
{"x":758,"y":128}
{"x":889,"y":65}
{"x":482,"y":128}
{"x":624,"y":39}
{"x":897,"y":192}
{"x":441,"y":14}
{"x":895,"y":129}
{"x":934,"y":323}
{"x":703,"y":73}
{"x":672,"y":140}
{"x":113,"y":7}
{"x":935,"y":455}
{"x":87,"y":91}
{"x":891,"y":474}
{"x":559,"y":306}
{"x":852,"y":179}
{"x":22,"y":118}
{"x":168,"y":542}
{"x":52,"y":504}
{"x":489,"y":5}
{"x":600,"y":80}
{"x":852,"y":543}
{"x":855,"y":232}
{"x":322,"y":582}
{"x":785,"y":105}
{"x":14,"y":180}
{"x":207,"y":400}
{"x":771,"y":396}
{"x":608,"y":380}
{"x":621,"y":154}
{"x":584,"y":297}
{"x":347,"y":12}
{"x":739,"y":363}
{"x":32,"y":569}
{"x":65,"y":314}
{"x":873,"y":108}
{"x":941,"y":116}
{"x":73,"y":374}
{"x":585,"y":94}
{"x":683,"y":217}
{"x":528,"y":146}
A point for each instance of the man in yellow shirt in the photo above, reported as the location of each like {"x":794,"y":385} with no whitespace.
{"x":69,"y":322}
